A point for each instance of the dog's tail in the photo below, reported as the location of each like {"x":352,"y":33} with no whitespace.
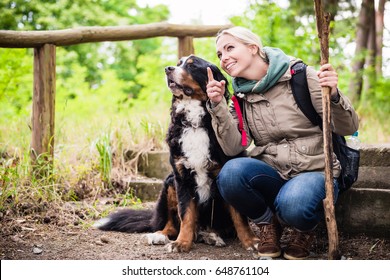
{"x":127,"y":220}
{"x":130,"y":220}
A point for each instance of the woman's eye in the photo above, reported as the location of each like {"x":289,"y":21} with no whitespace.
{"x":229,"y":48}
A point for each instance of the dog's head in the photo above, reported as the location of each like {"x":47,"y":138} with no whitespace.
{"x":188,"y":79}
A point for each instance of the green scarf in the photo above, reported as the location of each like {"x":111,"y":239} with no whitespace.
{"x":278,"y":65}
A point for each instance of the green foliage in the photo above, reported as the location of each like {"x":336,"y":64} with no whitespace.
{"x":282,"y":28}
{"x":15,"y":81}
{"x":19,"y":184}
{"x":104,"y":148}
{"x":374,"y":114}
{"x":129,"y":199}
{"x":63,"y":14}
{"x":294,"y":30}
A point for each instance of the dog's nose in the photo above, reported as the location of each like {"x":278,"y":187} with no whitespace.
{"x":169,"y":69}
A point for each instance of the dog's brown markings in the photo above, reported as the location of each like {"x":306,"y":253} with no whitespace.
{"x":198,"y":93}
{"x":169,"y":229}
{"x":244,"y":232}
{"x":186,"y":236}
{"x":179,"y":166}
{"x":213,"y":168}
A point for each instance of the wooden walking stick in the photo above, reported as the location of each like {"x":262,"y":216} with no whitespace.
{"x":323,"y":20}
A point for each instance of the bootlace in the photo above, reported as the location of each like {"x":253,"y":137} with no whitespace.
{"x":268,"y":234}
{"x":301,"y":239}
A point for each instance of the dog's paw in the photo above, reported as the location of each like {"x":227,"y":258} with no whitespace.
{"x":211,"y":238}
{"x":250,"y":244}
{"x":178,"y":247}
{"x":155,"y":238}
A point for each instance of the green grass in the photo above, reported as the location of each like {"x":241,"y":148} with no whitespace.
{"x":103,"y":147}
{"x":90,"y":138}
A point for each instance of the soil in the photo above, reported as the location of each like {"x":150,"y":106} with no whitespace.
{"x":68,"y":234}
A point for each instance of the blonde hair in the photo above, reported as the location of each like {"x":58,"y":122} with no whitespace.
{"x":245,"y":36}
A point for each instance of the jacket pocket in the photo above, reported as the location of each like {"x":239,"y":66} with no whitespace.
{"x":309,"y":154}
{"x":312,"y":145}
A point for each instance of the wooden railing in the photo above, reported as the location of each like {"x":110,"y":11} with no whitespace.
{"x":45,"y":43}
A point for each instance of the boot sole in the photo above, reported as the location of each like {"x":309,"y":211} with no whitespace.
{"x":289,"y":257}
{"x":270,"y":255}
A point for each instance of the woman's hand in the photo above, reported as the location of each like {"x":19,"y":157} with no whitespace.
{"x":329,"y":78}
{"x":215,"y":89}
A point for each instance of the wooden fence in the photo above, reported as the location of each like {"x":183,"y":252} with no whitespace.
{"x":45,"y":43}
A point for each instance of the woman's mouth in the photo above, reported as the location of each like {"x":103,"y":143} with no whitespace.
{"x":230,"y":65}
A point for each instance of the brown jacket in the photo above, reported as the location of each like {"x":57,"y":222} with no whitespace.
{"x":282,"y":135}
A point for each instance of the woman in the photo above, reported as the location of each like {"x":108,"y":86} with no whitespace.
{"x":282,"y":182}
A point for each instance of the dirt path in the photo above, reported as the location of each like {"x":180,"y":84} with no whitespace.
{"x":24,"y":239}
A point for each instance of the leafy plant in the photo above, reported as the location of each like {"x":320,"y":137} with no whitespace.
{"x":103,"y":146}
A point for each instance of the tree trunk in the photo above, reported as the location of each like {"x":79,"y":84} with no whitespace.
{"x":379,"y":21}
{"x":370,"y":75}
{"x":356,"y":84}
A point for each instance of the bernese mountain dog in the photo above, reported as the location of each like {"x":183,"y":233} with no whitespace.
{"x":189,"y":207}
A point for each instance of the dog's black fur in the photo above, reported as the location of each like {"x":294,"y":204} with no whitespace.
{"x":189,"y":202}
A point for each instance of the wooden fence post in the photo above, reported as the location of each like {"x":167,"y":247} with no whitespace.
{"x":186,"y":46}
{"x":43,"y":108}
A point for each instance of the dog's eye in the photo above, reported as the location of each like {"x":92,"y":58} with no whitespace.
{"x":188,"y":90}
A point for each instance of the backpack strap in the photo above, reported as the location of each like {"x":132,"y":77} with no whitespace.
{"x":300,"y":90}
{"x":240,"y":120}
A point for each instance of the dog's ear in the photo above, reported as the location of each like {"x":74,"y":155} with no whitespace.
{"x":219,"y":77}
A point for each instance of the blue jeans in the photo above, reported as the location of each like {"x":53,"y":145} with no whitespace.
{"x":257,"y":191}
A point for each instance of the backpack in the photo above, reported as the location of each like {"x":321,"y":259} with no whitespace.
{"x":348,"y":157}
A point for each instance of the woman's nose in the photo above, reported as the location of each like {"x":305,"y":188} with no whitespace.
{"x":224,"y":56}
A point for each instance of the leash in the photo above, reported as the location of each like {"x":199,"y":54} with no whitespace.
{"x":240,"y":121}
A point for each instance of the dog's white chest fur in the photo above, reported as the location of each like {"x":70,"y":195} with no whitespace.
{"x":196,"y":146}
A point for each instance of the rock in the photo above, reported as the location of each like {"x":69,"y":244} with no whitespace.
{"x":98,"y":242}
{"x":104,"y":239}
{"x":37,"y":250}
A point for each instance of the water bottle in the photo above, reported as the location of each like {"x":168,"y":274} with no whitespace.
{"x":353,"y":141}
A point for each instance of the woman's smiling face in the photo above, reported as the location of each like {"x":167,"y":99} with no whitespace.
{"x":235,"y":57}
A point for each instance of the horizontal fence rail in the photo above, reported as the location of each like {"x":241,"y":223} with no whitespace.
{"x":80,"y":35}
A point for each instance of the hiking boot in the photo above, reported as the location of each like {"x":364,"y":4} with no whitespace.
{"x":269,"y":244}
{"x":299,"y":246}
